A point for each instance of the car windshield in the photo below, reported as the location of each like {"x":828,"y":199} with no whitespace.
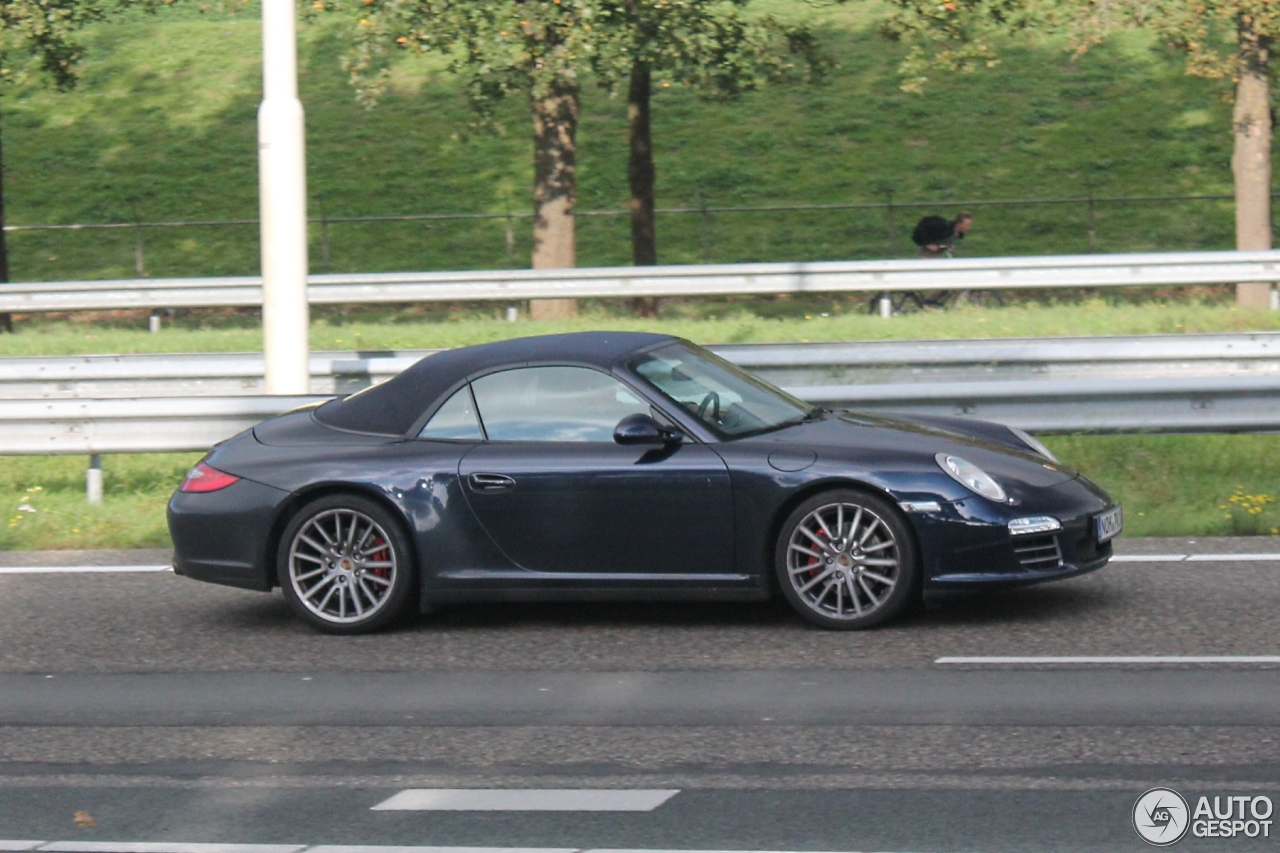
{"x":728,"y":400}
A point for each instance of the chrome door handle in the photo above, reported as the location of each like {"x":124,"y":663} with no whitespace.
{"x":490,"y":482}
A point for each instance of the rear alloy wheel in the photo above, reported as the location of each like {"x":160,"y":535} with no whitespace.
{"x":846,"y":560}
{"x":345,"y":566}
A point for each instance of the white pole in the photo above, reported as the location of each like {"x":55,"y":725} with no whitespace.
{"x":282,"y":179}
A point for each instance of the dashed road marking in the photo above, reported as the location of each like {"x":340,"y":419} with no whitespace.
{"x":526,"y":800}
{"x":163,"y":847}
{"x":1111,"y":659}
{"x":1195,"y":558}
{"x":57,"y":570}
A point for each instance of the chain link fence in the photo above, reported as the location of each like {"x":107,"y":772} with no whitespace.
{"x":699,"y":233}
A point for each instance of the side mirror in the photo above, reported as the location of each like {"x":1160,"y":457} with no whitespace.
{"x":643,"y":429}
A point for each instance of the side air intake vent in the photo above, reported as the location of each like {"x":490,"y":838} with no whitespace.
{"x":1038,"y":553}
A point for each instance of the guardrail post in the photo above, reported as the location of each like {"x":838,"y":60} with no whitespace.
{"x":93,"y":479}
{"x":153,"y":323}
{"x":886,"y":306}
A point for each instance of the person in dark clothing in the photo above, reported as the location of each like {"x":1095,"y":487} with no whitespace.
{"x":937,"y":237}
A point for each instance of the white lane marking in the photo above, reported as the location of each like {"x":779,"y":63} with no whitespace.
{"x":526,"y":800}
{"x":161,"y":847}
{"x":1195,"y":558}
{"x":164,"y":847}
{"x":56,"y":570}
{"x":381,"y":848}
{"x":1104,"y":659}
{"x":1215,"y":558}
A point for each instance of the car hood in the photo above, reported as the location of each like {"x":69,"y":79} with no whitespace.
{"x":907,"y":442}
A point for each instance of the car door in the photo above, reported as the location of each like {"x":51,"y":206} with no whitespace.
{"x":556,"y":493}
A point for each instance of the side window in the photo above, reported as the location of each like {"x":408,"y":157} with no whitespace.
{"x":455,"y":419}
{"x":553,"y":404}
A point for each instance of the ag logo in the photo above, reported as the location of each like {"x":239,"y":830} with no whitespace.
{"x":1160,"y":817}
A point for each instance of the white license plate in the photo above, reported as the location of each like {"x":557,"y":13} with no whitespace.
{"x":1109,"y":523}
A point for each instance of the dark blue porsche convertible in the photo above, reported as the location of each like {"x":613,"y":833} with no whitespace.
{"x":611,"y":465}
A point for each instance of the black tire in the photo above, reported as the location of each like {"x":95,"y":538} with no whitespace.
{"x":842,"y":578}
{"x":350,"y":546}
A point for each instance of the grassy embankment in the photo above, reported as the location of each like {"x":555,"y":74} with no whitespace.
{"x":162,"y":127}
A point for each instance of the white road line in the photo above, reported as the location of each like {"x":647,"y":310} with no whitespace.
{"x":379,"y":848}
{"x":525,"y":800}
{"x":1196,"y":558}
{"x":1116,"y":659}
{"x":168,"y":847}
{"x":164,"y":847}
{"x":1215,"y":558}
{"x":57,"y":570}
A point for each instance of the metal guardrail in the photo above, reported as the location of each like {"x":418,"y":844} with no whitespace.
{"x":691,"y":280}
{"x":1192,"y":383}
{"x":792,"y":365}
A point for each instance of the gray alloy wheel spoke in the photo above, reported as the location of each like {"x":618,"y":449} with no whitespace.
{"x":862,"y":582}
{"x":846,"y":588}
{"x":814,"y":582}
{"x":314,"y":544}
{"x":866,"y":534}
{"x":878,"y":578}
{"x":853,"y":525}
{"x":350,"y":588}
{"x":804,"y":550}
{"x":817,"y":540}
{"x":823,"y":524}
{"x":853,"y":595}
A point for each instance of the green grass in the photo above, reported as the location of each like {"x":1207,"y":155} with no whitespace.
{"x":1172,"y":485}
{"x":162,"y":127}
{"x":44,"y":501}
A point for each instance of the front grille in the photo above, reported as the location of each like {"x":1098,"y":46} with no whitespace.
{"x":1038,"y":552}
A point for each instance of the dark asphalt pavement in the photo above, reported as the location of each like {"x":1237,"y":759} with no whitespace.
{"x":180,"y":711}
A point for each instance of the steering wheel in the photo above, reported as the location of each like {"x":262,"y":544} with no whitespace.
{"x":711,"y":401}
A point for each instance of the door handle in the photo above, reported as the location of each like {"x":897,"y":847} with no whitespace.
{"x":490,"y":482}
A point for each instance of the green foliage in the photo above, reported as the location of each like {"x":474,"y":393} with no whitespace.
{"x":961,"y":35}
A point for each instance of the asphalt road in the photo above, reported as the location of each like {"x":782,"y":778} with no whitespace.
{"x":160,"y":709}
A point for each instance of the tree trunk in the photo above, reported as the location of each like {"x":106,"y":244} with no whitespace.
{"x":1251,"y":161}
{"x":555,"y":123}
{"x":6,"y":319}
{"x":640,"y":174}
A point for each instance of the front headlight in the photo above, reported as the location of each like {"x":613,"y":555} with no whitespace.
{"x":1030,"y":441}
{"x":972,"y":477}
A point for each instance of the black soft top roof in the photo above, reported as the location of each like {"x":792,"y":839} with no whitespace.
{"x":392,"y":407}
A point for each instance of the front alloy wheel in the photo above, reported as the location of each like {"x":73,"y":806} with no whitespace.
{"x":846,"y":560}
{"x":344,"y":565}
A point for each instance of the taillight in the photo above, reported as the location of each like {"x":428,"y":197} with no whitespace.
{"x":202,"y":478}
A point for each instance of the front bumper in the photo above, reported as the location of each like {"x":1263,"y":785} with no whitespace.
{"x":966,"y":545}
